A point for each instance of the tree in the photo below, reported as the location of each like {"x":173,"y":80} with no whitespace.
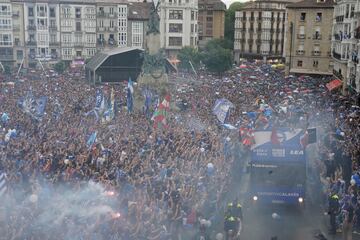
{"x":216,"y":58}
{"x":60,"y":67}
{"x":224,"y":43}
{"x":230,"y":20}
{"x":186,"y":55}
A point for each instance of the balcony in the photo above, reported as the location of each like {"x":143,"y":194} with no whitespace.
{"x":32,"y":27}
{"x":339,"y":19}
{"x":6,"y":57}
{"x":301,"y":36}
{"x":106,"y":15}
{"x":337,"y":37}
{"x":251,"y":19}
{"x":336,"y":55}
{"x":300,"y":52}
{"x":54,"y":43}
{"x":316,"y":53}
{"x":316,"y":36}
{"x":337,"y":74}
{"x":78,"y":44}
{"x":31,"y":43}
{"x":53,"y":28}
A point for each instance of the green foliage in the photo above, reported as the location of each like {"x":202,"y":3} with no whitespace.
{"x":216,"y":58}
{"x":154,"y":63}
{"x":230,"y":20}
{"x":187,"y":54}
{"x":224,"y":43}
{"x":60,"y":67}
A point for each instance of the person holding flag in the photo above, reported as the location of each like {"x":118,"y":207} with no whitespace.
{"x":130,"y":96}
{"x":161,"y":113}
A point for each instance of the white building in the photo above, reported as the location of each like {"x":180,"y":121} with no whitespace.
{"x":345,"y":43}
{"x":6,"y":33}
{"x":42,"y":31}
{"x":78,"y":30}
{"x":178,"y":25}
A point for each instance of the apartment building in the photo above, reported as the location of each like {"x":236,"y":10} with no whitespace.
{"x":211,"y":20}
{"x":6,"y":34}
{"x":53,"y":30}
{"x":308,"y":37}
{"x":345,"y":44}
{"x":78,"y":30}
{"x":259,"y":30}
{"x":178,"y":25}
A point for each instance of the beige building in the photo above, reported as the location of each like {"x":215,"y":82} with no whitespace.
{"x":308,"y":37}
{"x":211,"y":20}
{"x":259,"y":30}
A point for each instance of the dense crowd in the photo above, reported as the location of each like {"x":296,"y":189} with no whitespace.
{"x":157,"y":182}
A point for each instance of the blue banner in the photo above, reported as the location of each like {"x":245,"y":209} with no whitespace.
{"x":289,"y":147}
{"x":99,"y":97}
{"x":222,"y":108}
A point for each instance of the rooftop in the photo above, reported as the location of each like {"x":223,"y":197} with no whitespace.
{"x":213,"y":4}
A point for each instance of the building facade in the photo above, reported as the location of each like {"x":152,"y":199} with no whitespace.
{"x":259,"y":30}
{"x":308,"y":37}
{"x":178,"y":25}
{"x":211,"y":20}
{"x":345,"y":44}
{"x":6,"y":34}
{"x":48,"y":31}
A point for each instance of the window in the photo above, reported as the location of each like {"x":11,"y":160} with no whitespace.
{"x":192,"y":15}
{"x":137,"y":34}
{"x":175,"y":41}
{"x":175,"y":14}
{"x":78,"y":27}
{"x":5,"y":10}
{"x":209,"y":19}
{"x":111,"y":10}
{"x":122,"y":24}
{"x":41,"y":11}
{"x":52,"y":12}
{"x":122,"y":39}
{"x":5,"y":40}
{"x":299,"y":63}
{"x":31,"y":11}
{"x":176,"y":27}
{"x":302,"y":16}
{"x":19,"y":54}
{"x":5,"y":24}
{"x":78,"y":12}
{"x":78,"y":53}
{"x":318,"y":17}
{"x":123,"y":11}
{"x":316,"y":63}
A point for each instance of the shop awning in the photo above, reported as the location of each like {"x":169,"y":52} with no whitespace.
{"x":334,"y":84}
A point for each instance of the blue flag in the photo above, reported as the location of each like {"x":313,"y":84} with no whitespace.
{"x":91,"y":140}
{"x":99,"y":97}
{"x":221,"y":109}
{"x":130,"y":97}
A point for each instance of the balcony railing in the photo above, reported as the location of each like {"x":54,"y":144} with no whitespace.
{"x":339,"y":18}
{"x":106,"y":15}
{"x":54,"y":43}
{"x":300,"y":52}
{"x":301,"y":36}
{"x":337,"y":74}
{"x":317,"y":36}
{"x":31,"y":43}
{"x":53,"y":28}
{"x":316,"y":53}
{"x":31,"y":27}
{"x":6,"y":57}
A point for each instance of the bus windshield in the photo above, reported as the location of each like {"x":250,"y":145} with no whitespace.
{"x":279,"y":175}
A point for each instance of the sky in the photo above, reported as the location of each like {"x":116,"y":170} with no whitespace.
{"x":228,"y":2}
